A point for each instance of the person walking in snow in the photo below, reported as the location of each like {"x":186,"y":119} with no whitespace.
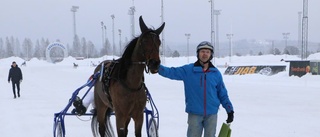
{"x":204,"y":92}
{"x":15,"y":75}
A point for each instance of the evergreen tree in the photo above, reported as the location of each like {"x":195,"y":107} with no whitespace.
{"x":27,"y":49}
{"x":106,"y":49}
{"x":84,"y":48}
{"x":76,"y":47}
{"x":92,"y":50}
{"x":37,"y":50}
{"x":175,"y":54}
{"x":9,"y":52}
{"x":277,"y":51}
{"x":44,"y":45}
{"x":17,"y":48}
{"x":2,"y":50}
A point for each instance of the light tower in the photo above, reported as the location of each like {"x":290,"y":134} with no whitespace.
{"x":286,"y":37}
{"x":304,"y":30}
{"x":102,"y":32}
{"x":212,"y":28}
{"x":229,"y":36}
{"x":113,"y":44}
{"x":105,"y":35}
{"x":74,"y":10}
{"x":131,"y":13}
{"x":299,"y":29}
{"x":188,"y":37}
{"x":163,"y":42}
{"x":212,"y":22}
{"x":217,"y":51}
{"x":120,"y":49}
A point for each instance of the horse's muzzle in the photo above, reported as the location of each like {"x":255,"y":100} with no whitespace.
{"x":153,"y":65}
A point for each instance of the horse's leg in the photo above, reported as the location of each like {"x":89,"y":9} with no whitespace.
{"x":127,"y":123}
{"x":101,"y":111}
{"x":122,"y":126}
{"x":101,"y":118}
{"x":138,"y":121}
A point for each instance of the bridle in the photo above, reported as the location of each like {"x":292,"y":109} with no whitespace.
{"x":146,"y":62}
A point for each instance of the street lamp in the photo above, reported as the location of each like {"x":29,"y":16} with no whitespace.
{"x":229,"y":36}
{"x":113,"y":45}
{"x":188,"y":37}
{"x":120,"y":41}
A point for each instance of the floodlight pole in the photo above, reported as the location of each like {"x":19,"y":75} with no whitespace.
{"x":212,"y":28}
{"x":229,"y":36}
{"x":217,"y":49}
{"x":299,"y":29}
{"x":163,"y":42}
{"x":285,"y":37}
{"x":188,"y":37}
{"x":119,"y":30}
{"x":102,"y":32}
{"x":131,"y":13}
{"x":74,"y":10}
{"x":304,"y":30}
{"x":113,"y":44}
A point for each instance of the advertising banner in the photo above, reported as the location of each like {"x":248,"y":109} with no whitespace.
{"x":299,"y":68}
{"x":315,"y":67}
{"x":264,"y":70}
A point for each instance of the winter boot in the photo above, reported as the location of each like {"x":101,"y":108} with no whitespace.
{"x":79,"y":108}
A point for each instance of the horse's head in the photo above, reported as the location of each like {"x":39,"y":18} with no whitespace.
{"x":150,"y":44}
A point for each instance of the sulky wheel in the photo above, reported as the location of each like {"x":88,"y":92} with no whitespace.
{"x":58,"y":130}
{"x":152,"y":129}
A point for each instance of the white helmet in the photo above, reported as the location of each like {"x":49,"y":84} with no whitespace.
{"x":205,"y":45}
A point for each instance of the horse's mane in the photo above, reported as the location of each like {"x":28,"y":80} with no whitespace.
{"x":129,"y":49}
{"x":124,"y":61}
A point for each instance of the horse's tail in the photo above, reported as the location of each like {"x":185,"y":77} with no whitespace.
{"x":109,"y":129}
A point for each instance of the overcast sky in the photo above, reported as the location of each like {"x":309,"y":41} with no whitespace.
{"x":246,"y":19}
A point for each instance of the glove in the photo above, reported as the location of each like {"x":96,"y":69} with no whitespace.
{"x":230,"y":117}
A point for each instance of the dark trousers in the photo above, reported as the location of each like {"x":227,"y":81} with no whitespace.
{"x":14,"y":84}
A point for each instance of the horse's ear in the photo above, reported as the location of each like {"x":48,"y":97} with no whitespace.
{"x":159,"y":30}
{"x":143,"y":26}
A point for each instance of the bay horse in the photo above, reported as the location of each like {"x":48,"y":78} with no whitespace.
{"x":121,"y":89}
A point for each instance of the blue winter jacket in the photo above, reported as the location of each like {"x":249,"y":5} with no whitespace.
{"x":204,"y":90}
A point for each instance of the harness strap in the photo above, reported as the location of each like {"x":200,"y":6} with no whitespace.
{"x":106,"y":77}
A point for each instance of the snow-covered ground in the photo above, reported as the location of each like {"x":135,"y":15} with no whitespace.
{"x":265,"y":106}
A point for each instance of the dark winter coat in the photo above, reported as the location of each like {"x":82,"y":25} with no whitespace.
{"x":15,"y":74}
{"x":204,"y":90}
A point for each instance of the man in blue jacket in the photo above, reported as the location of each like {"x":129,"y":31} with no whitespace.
{"x":204,"y":92}
{"x":15,"y":75}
